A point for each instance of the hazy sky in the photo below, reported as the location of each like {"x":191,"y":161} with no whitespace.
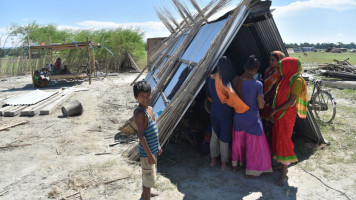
{"x":298,"y":21}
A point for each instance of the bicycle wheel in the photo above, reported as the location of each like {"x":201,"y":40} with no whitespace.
{"x":101,"y":71}
{"x":82,"y":72}
{"x":324,"y":106}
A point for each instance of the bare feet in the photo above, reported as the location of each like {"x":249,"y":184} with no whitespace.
{"x":213,"y":162}
{"x":235,"y":169}
{"x":282,"y":180}
{"x":153,"y":194}
{"x":248,"y":176}
{"x":225,"y":167}
{"x":278,"y":167}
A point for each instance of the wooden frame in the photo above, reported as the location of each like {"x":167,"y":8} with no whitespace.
{"x":75,"y":45}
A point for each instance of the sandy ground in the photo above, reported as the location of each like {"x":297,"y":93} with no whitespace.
{"x":61,"y":159}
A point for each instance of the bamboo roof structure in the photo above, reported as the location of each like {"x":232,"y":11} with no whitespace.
{"x":67,"y":46}
{"x":181,"y":63}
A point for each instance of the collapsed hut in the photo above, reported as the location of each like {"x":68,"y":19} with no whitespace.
{"x":181,"y":63}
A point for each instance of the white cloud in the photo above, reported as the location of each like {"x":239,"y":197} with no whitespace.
{"x":295,"y":7}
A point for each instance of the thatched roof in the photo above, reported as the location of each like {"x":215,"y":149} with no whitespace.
{"x":181,"y":62}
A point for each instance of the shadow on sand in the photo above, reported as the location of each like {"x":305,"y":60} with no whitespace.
{"x":52,"y":86}
{"x":194,"y":177}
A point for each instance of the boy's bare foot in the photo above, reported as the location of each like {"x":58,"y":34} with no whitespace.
{"x":235,"y":169}
{"x":282,"y":180}
{"x":153,"y":194}
{"x":213,"y":162}
{"x":278,"y":167}
{"x":225,"y":166}
{"x":248,"y":176}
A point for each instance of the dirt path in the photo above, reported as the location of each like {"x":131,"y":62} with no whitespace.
{"x":61,"y":159}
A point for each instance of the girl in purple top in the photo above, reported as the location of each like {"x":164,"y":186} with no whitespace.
{"x":248,"y":139}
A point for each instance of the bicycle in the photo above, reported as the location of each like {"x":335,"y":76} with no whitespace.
{"x":101,"y":72}
{"x":323,"y":103}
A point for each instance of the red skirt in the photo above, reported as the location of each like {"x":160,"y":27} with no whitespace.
{"x":282,"y":145}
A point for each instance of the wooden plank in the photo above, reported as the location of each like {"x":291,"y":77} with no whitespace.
{"x":134,"y":81}
{"x":52,"y":106}
{"x":29,"y":57}
{"x":14,"y":112}
{"x":89,"y":65}
{"x":133,"y":62}
{"x":92,"y":50}
{"x":12,"y":125}
{"x":65,"y":76}
{"x":2,"y":110}
{"x":34,"y":109}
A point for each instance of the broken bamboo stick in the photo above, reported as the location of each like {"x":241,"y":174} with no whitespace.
{"x":4,"y":192}
{"x":12,"y":146}
{"x":134,"y":81}
{"x":13,"y":125}
{"x":133,"y":62}
{"x":108,"y":182}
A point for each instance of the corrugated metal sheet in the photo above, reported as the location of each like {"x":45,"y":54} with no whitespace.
{"x":202,"y":41}
{"x":309,"y":128}
{"x":29,"y":98}
{"x":195,"y":51}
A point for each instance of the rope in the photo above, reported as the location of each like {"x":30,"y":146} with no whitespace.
{"x":341,"y":192}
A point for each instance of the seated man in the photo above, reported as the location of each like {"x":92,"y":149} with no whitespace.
{"x":58,"y":66}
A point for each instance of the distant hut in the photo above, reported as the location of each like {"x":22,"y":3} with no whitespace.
{"x":290,"y":50}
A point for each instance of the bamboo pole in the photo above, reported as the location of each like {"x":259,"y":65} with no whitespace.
{"x":89,"y":65}
{"x":92,"y":50}
{"x":29,"y":57}
{"x":50,"y":51}
{"x":134,"y":81}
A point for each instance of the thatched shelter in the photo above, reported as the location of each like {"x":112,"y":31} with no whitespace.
{"x":182,"y":62}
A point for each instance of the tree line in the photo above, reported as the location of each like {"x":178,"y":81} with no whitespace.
{"x":351,"y":45}
{"x":118,"y":40}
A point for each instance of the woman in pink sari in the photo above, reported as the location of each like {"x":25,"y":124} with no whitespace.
{"x":248,"y":139}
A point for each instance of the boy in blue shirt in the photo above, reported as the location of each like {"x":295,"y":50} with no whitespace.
{"x":148,"y":146}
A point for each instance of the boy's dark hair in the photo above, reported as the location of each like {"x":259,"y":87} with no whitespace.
{"x":252,"y":63}
{"x":141,"y":87}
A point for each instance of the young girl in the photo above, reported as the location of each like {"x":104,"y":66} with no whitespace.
{"x":291,"y":98}
{"x":271,"y":79}
{"x":220,"y":116}
{"x":248,"y":139}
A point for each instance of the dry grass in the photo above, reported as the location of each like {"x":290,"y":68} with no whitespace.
{"x":341,"y":134}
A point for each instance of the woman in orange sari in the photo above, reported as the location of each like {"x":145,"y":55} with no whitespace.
{"x":291,"y":98}
{"x":271,"y":79}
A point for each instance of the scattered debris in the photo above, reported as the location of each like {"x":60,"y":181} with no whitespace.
{"x":12,"y":146}
{"x":4,"y":192}
{"x":112,"y":181}
{"x":32,"y":107}
{"x":340,"y":69}
{"x":105,"y":153}
{"x":13,"y":125}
